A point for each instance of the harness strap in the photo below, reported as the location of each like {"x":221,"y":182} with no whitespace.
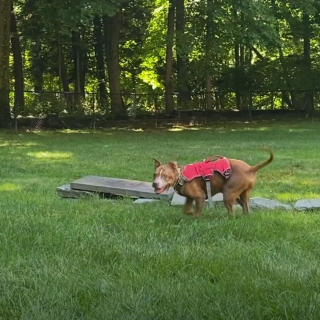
{"x":179,"y":182}
{"x":213,"y":158}
{"x":209,"y":195}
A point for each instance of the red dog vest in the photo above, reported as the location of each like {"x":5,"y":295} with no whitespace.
{"x":207,"y":168}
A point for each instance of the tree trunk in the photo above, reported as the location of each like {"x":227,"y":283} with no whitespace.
{"x":77,"y":65}
{"x":209,"y":23}
{"x":37,"y":63}
{"x":17,"y":63}
{"x":308,"y":97}
{"x":245,"y":94}
{"x":84,"y":71}
{"x":37,"y":66}
{"x":242,"y":55}
{"x":248,"y":63}
{"x":182,"y":55}
{"x":63,"y":73}
{"x":248,"y":57}
{"x":84,"y":67}
{"x":98,"y":48}
{"x":285,"y":96}
{"x":237,"y":68}
{"x":258,"y":54}
{"x":208,"y":91}
{"x":169,"y":59}
{"x":112,"y":27}
{"x":62,"y":67}
{"x":5,"y":14}
{"x":236,"y":60}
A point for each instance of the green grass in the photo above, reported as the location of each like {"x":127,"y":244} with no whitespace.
{"x":111,"y":259}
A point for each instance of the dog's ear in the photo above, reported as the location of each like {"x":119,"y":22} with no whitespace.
{"x":157,"y":163}
{"x":173,"y":164}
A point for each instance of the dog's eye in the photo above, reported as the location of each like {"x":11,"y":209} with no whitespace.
{"x":165,"y":176}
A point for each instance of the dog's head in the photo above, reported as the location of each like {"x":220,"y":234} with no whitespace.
{"x":165,"y":176}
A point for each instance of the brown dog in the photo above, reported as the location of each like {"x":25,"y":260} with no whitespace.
{"x":234,"y":178}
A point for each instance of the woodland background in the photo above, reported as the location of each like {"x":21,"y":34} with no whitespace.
{"x":126,"y":58}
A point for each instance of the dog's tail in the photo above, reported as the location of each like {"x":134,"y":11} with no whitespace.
{"x":254,"y":169}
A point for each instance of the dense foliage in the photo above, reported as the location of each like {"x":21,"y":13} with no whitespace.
{"x":124,"y":55}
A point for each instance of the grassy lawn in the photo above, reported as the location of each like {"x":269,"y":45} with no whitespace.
{"x":110,"y":259}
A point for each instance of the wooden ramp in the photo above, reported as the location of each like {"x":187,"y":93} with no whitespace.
{"x":113,"y":186}
{"x":65,"y":191}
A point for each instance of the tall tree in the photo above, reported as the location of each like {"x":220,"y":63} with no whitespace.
{"x":112,"y":25}
{"x":77,"y":66}
{"x":237,"y":65}
{"x":208,"y":57}
{"x":17,"y":64}
{"x":5,"y":14}
{"x":285,"y":95}
{"x":182,"y":54}
{"x":307,"y":61}
{"x":99,"y":54}
{"x":61,"y":63}
{"x":84,"y":60}
{"x":63,"y":74}
{"x":169,"y":58}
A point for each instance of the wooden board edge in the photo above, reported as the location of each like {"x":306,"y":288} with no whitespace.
{"x":120,"y":191}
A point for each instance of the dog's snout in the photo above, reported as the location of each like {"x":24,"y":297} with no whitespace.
{"x":154,"y":184}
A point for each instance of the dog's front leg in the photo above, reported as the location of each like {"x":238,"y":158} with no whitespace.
{"x":199,"y":205}
{"x":188,"y":206}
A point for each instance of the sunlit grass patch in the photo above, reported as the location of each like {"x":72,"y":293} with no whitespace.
{"x":75,"y":131}
{"x":9,"y":187}
{"x":183,"y":128}
{"x":21,"y":144}
{"x":50,"y":155}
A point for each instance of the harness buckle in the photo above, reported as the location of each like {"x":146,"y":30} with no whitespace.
{"x":208,"y":187}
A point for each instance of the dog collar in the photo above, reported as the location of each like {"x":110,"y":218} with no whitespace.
{"x":180,"y":181}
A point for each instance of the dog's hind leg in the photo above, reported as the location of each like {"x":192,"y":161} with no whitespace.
{"x":245,"y":197}
{"x":240,"y":202}
{"x":188,"y":206}
{"x":229,"y":199}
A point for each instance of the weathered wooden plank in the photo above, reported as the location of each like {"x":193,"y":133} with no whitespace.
{"x":65,"y":191}
{"x":120,"y":187}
